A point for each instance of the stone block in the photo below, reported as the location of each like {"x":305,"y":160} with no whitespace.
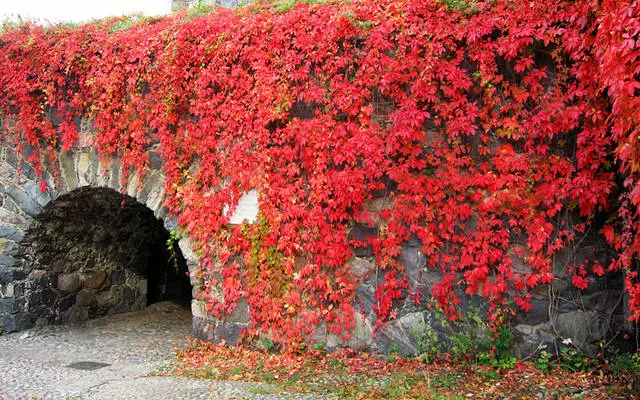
{"x":68,"y":169}
{"x":114,"y":174}
{"x":23,"y":200}
{"x":7,"y":260}
{"x":32,"y":189}
{"x":538,"y":313}
{"x":401,"y":334}
{"x":11,"y":232}
{"x":83,"y":168}
{"x":76,"y":313}
{"x":15,"y":322}
{"x":6,"y":290}
{"x":85,"y":133}
{"x":204,"y":328}
{"x":133,"y":182}
{"x":240,"y":314}
{"x":246,"y":209}
{"x":171,"y":224}
{"x":8,"y":247}
{"x":86,"y":298}
{"x":193,"y":276}
{"x":128,"y":295}
{"x":529,"y":338}
{"x":9,"y":217}
{"x":186,"y":247}
{"x":20,"y":163}
{"x":94,"y":280}
{"x":359,"y":337}
{"x":10,"y":274}
{"x":7,"y":306}
{"x":365,"y":298}
{"x":360,"y":267}
{"x":102,"y":174}
{"x":142,"y":287}
{"x":198,"y":309}
{"x":585,"y":329}
{"x":152,"y":182}
{"x":155,"y":198}
{"x":414,"y":262}
{"x":69,"y":283}
{"x":161,"y":212}
{"x":106,"y":299}
{"x":155,"y":161}
{"x":94,"y":159}
{"x":230,"y":332}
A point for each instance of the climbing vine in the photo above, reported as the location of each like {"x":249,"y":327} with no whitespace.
{"x":483,"y":124}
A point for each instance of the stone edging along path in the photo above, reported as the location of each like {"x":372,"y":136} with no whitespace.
{"x":111,"y":358}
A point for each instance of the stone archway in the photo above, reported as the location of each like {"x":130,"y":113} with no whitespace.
{"x":94,"y":252}
{"x":32,"y":290}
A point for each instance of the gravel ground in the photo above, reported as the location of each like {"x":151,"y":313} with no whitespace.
{"x":111,"y":358}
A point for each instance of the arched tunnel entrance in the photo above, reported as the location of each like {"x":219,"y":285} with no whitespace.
{"x":94,"y":252}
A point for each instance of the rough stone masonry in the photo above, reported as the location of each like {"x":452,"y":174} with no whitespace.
{"x":69,"y":254}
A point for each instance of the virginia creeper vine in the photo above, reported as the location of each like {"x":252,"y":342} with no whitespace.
{"x":482,"y":125}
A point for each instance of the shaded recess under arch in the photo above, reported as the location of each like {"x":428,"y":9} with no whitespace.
{"x":94,"y":252}
{"x":22,"y":204}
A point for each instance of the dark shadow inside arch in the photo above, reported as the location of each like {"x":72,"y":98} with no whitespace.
{"x":95,"y":252}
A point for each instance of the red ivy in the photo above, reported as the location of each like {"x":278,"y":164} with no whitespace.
{"x":482,"y":126}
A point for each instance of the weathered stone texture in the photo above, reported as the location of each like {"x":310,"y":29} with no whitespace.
{"x":87,"y":253}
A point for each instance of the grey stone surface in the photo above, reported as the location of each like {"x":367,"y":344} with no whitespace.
{"x":400,"y":334}
{"x":9,"y":274}
{"x":32,"y":189}
{"x":7,"y":260}
{"x":9,"y":217}
{"x":11,"y":232}
{"x":67,"y":169}
{"x":36,"y":363}
{"x":68,"y":282}
{"x":94,"y":280}
{"x":583,"y":328}
{"x":23,"y":200}
{"x":532,"y":338}
{"x":155,"y":161}
{"x":8,"y":247}
{"x":360,"y":267}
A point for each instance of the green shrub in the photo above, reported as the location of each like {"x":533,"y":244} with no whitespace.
{"x":574,"y":360}
{"x":464,"y":337}
{"x":625,"y":364}
{"x":543,"y":361}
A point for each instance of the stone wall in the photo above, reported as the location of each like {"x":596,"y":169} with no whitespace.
{"x":589,"y":318}
{"x":51,"y":270}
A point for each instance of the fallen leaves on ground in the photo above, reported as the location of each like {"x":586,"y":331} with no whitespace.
{"x":346,"y":373}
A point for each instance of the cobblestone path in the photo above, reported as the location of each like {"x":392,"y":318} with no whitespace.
{"x":111,"y":358}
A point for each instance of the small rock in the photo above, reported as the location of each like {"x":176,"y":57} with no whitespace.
{"x":85,"y":297}
{"x":95,"y":280}
{"x":68,"y":282}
